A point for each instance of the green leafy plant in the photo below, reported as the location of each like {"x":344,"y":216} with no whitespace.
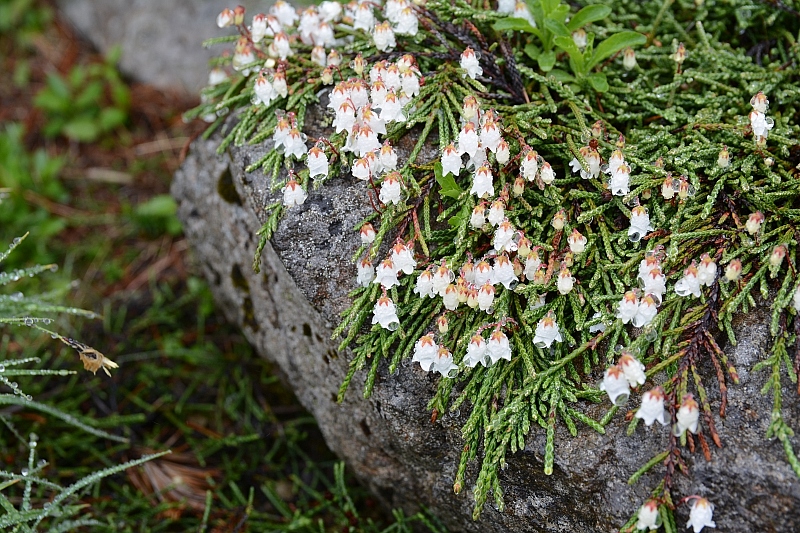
{"x":554,"y":32}
{"x":91,"y":101}
{"x":693,"y":151}
{"x":26,"y":175}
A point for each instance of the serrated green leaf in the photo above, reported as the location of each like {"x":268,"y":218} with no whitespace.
{"x":586,"y":15}
{"x":614,"y":44}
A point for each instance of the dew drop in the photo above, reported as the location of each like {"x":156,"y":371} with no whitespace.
{"x":621,"y":400}
{"x":40,"y":464}
{"x":2,"y":368}
{"x":29,"y":322}
{"x":24,"y":471}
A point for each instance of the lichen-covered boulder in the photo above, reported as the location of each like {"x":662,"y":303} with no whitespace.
{"x":289,"y":309}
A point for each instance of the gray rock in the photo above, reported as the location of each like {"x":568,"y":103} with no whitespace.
{"x":161,"y":41}
{"x":288,"y":311}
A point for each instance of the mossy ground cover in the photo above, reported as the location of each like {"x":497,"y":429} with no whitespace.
{"x":86,"y":158}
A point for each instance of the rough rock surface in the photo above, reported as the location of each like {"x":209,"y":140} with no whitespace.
{"x":288,"y":311}
{"x":161,"y":41}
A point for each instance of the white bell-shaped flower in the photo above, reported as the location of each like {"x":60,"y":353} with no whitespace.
{"x":498,"y":346}
{"x":504,"y":237}
{"x":632,"y":368}
{"x":628,"y":307}
{"x":503,"y":272}
{"x":451,"y":161}
{"x":547,"y":332}
{"x":482,"y":184}
{"x":640,"y":224}
{"x":317,"y":162}
{"x":646,"y":311}
{"x":425,"y":351}
{"x":497,"y":213}
{"x":529,"y":165}
{"x":483,"y":273}
{"x":293,"y":194}
{"x":478,"y":218}
{"x":385,"y":314}
{"x":486,"y":297}
{"x":441,"y":279}
{"x":616,"y":385}
{"x":424,"y":286}
{"x":701,"y":515}
{"x":391,"y":191}
{"x":450,"y":298}
{"x":444,"y":362}
{"x":366,"y":273}
{"x":688,"y":416}
{"x":386,"y":274}
{"x":706,"y":270}
{"x":648,"y":517}
{"x":468,"y":140}
{"x":689,"y":284}
{"x":469,"y":62}
{"x":565,"y":281}
{"x":652,"y":407}
{"x":476,"y":352}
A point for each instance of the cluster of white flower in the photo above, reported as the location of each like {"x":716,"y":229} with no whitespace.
{"x":700,"y":515}
{"x":431,"y":356}
{"x":380,"y":94}
{"x":680,"y":187}
{"x":618,"y":379}
{"x":759,"y":122}
{"x":288,"y":138}
{"x":640,"y":312}
{"x":695,"y":276}
{"x":517,"y":9}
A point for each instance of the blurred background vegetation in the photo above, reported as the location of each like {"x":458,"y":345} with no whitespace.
{"x":86,"y":159}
